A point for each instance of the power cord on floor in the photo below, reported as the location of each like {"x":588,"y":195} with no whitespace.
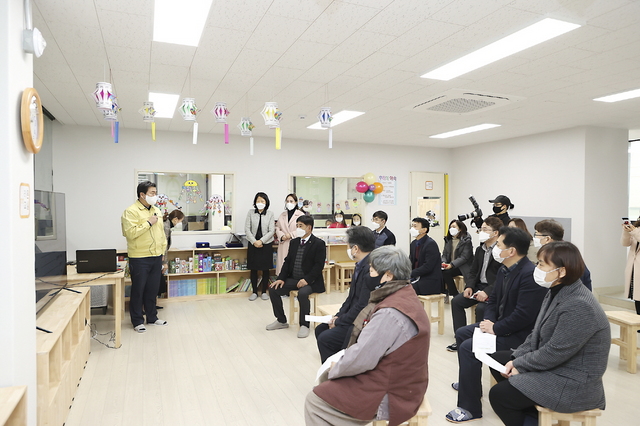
{"x":111,"y":343}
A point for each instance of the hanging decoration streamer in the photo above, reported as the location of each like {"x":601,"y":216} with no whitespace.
{"x":189,"y":112}
{"x":148,"y":115}
{"x":251,"y":145}
{"x":117,"y":136}
{"x":278,"y":137}
{"x":246,"y":127}
{"x":195,"y":133}
{"x":221,"y":112}
{"x":325,"y":117}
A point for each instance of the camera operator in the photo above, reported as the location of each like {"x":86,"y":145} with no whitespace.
{"x":501,"y":204}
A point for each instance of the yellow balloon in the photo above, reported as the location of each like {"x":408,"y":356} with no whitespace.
{"x":369,"y":178}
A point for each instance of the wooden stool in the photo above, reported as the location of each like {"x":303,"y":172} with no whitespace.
{"x":459,"y":280}
{"x":326,"y":271}
{"x":427,"y":301}
{"x":586,"y":418}
{"x":345,"y":272}
{"x":294,"y":308}
{"x":420,"y":419}
{"x":628,"y":341}
{"x":472,"y":313}
{"x":328,"y":309}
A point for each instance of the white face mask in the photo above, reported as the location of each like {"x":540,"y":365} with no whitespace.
{"x":539,"y":276}
{"x":483,"y":236}
{"x":300,"y":232}
{"x":339,"y":219}
{"x":152,"y":200}
{"x":290,"y":206}
{"x":350,"y":254}
{"x":414,"y":232}
{"x":260,"y":206}
{"x":537,"y":243}
{"x":453,"y":231}
{"x":374,"y":225}
{"x":306,"y":208}
{"x":496,"y":252}
{"x":356,"y":222}
{"x":178,"y":227}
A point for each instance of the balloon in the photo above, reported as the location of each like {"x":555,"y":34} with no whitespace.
{"x":369,"y":178}
{"x":372,"y":188}
{"x":378,"y":187}
{"x":368,"y":196}
{"x":362,"y":187}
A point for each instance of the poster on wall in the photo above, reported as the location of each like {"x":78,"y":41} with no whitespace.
{"x":388,"y":195}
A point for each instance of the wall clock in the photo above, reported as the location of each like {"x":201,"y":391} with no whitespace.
{"x":32,"y":121}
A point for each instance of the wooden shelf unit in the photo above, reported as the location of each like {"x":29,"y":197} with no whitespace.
{"x":13,"y":406}
{"x":62,"y":354}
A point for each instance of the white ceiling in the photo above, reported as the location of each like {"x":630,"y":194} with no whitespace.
{"x":362,"y":55}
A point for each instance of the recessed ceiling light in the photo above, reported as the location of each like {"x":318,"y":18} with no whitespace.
{"x":465,"y":131}
{"x":338,"y":118}
{"x":534,"y":34}
{"x":620,"y":96}
{"x":164,"y":104}
{"x":180,"y":22}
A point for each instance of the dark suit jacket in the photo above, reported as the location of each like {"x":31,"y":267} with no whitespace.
{"x":427,"y":271}
{"x":313,"y":258}
{"x":358,"y":297}
{"x":476,"y":268}
{"x":523,"y":298}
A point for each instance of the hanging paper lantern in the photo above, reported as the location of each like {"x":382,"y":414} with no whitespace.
{"x":245,"y":126}
{"x":103,"y":95}
{"x":188,"y":109}
{"x":110,"y":115}
{"x":325,"y":117}
{"x":271,"y":114}
{"x":221,"y":112}
{"x":148,"y":114}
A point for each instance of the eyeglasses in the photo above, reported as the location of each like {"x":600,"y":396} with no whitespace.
{"x":539,"y":235}
{"x":485,"y":229}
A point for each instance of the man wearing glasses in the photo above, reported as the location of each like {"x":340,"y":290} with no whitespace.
{"x":482,"y":275}
{"x":549,"y":230}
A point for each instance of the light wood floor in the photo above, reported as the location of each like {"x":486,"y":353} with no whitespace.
{"x":215,"y":364}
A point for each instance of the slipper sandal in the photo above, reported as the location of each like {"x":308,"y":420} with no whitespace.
{"x":460,"y":415}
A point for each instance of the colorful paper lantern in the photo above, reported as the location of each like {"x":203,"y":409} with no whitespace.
{"x":325,"y":117}
{"x":103,"y":95}
{"x":188,"y":109}
{"x":271,"y":114}
{"x":246,"y":127}
{"x":221,"y":112}
{"x":148,"y":115}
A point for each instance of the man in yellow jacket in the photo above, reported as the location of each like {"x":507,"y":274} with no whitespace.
{"x":146,"y":244}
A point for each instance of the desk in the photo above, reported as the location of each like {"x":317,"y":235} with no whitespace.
{"x":115,"y":279}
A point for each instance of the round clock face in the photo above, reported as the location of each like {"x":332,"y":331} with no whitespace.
{"x":31,"y":119}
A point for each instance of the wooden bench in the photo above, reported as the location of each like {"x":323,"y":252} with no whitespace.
{"x":294,"y":307}
{"x":628,"y":341}
{"x":326,"y":271}
{"x":586,"y":418}
{"x":345,"y":272}
{"x":459,"y":280}
{"x":329,"y":309}
{"x":427,"y":301}
{"x":420,"y":419}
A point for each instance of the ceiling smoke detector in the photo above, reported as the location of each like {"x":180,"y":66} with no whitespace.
{"x":456,"y":101}
{"x":302,"y":117}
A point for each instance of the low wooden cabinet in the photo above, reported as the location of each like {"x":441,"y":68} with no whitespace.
{"x":62,"y":354}
{"x":13,"y":406}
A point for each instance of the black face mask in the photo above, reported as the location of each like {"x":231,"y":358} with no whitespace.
{"x":497,"y":210}
{"x":375,"y":281}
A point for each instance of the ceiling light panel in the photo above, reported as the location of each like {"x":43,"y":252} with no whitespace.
{"x":620,"y":96}
{"x":338,"y":118}
{"x":180,"y":22}
{"x":164,"y":104}
{"x":530,"y":36}
{"x":465,"y":131}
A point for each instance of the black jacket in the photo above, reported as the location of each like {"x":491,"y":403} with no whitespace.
{"x":476,"y":268}
{"x":521,"y":300}
{"x":313,"y":258}
{"x":426,"y":276}
{"x":358,"y":296}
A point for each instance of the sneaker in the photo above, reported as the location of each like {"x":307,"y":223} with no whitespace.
{"x":455,"y":385}
{"x":276,"y":325}
{"x":265,"y":296}
{"x":253,"y":297}
{"x":303,"y":332}
{"x":158,"y":322}
{"x":140,"y":328}
{"x":460,"y":415}
{"x":453,"y":347}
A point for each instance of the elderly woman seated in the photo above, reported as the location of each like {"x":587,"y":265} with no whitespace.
{"x":561,"y":363}
{"x":383,"y":374}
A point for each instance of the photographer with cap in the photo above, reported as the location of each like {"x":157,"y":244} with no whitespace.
{"x":501,"y":204}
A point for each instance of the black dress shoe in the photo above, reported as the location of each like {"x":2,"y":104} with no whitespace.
{"x":453,"y":347}
{"x":159,"y":307}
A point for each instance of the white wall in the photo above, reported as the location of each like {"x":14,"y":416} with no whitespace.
{"x":554,"y":175}
{"x":17,"y":287}
{"x":98,"y":176}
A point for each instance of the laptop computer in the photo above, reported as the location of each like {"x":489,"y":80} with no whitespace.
{"x":96,"y":261}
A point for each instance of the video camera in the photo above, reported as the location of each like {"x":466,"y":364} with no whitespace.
{"x":476,"y":214}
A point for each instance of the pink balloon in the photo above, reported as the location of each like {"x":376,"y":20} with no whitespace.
{"x":362,"y":187}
